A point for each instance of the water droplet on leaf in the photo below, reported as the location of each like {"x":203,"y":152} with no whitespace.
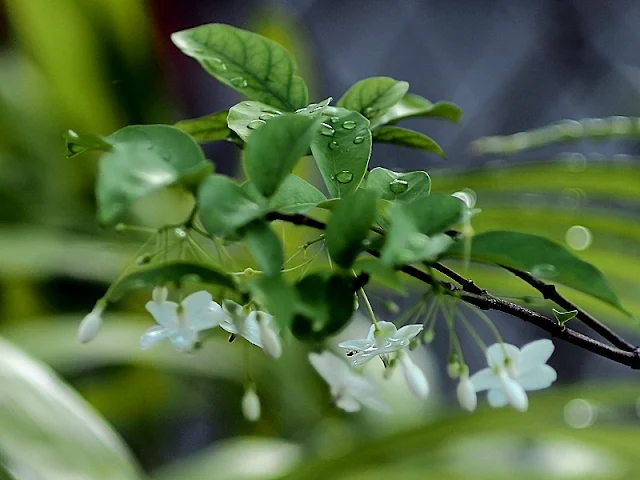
{"x":266,"y":116}
{"x":255,"y":124}
{"x":398,"y":186}
{"x":349,"y":125}
{"x":143,"y":259}
{"x":239,"y":82}
{"x":326,"y":130}
{"x":544,"y":271}
{"x":334,"y":119}
{"x":369,"y":112}
{"x":333,"y":145}
{"x":180,"y":232}
{"x":578,"y":237}
{"x":272,"y":111}
{"x":218,"y":64}
{"x":345,"y":176}
{"x":359,"y":139}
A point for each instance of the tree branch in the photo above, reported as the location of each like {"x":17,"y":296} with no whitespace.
{"x":627,"y":354}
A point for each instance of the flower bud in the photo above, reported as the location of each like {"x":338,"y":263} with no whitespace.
{"x":159,"y":294}
{"x":268,"y":337}
{"x":90,"y":324}
{"x":466,"y":392}
{"x":453,"y":369}
{"x":414,"y":377}
{"x":251,"y":405}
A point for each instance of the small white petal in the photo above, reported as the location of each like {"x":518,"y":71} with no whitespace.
{"x":347,"y":403}
{"x":414,"y":377}
{"x":355,"y":345}
{"x":227,"y":324}
{"x":496,"y":398}
{"x":329,"y":367}
{"x":515,"y":394}
{"x":159,"y":294}
{"x":251,"y":330}
{"x":467,"y":394}
{"x":384,"y":331}
{"x":251,"y":405}
{"x":538,"y":378}
{"x":496,"y":354}
{"x":268,"y":336}
{"x":165,"y":314}
{"x":183,"y":339}
{"x":535,"y":354}
{"x":153,"y":336}
{"x":408,"y":332}
{"x":485,"y":379}
{"x":90,"y":325}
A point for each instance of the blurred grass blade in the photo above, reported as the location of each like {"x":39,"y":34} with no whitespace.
{"x":49,"y":432}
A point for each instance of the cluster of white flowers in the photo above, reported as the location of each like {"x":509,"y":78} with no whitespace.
{"x":510,"y":374}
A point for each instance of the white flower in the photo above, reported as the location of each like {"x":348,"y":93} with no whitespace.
{"x":414,"y":377}
{"x":383,"y":339}
{"x":466,"y":392}
{"x":90,"y":324}
{"x":348,"y":389}
{"x":512,"y":371}
{"x":251,"y":404}
{"x":256,"y":326}
{"x":181,"y":323}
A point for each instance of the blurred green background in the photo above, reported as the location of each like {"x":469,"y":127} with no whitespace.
{"x":111,"y":411}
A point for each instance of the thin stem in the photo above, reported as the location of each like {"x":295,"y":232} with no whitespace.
{"x":368,"y":306}
{"x":551,"y":293}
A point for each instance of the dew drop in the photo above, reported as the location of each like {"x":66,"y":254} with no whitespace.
{"x":326,"y":130}
{"x":398,"y":186}
{"x":180,"y":232}
{"x":301,"y":110}
{"x":239,"y":82}
{"x":345,"y":176}
{"x":359,"y":139}
{"x":333,"y":145}
{"x":349,"y":125}
{"x":218,"y":64}
{"x":334,"y":119}
{"x":578,"y":237}
{"x":255,"y":124}
{"x":272,"y":111}
{"x":266,"y":116}
{"x":143,"y":259}
{"x":544,"y":271}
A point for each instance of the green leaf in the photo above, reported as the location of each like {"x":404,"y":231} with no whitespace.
{"x":208,"y":128}
{"x":315,"y":109}
{"x":390,"y":185}
{"x":251,"y":64}
{"x":225,"y":206}
{"x":416,"y":231}
{"x":247,"y":117}
{"x":265,"y":246}
{"x":5,"y":474}
{"x":273,"y":151}
{"x":543,"y":258}
{"x":380,"y":272}
{"x":564,"y":317}
{"x":175,"y":272}
{"x":327,"y":305}
{"x":49,"y":431}
{"x":76,"y":143}
{"x":407,"y":138}
{"x":372,"y":97}
{"x":295,"y":195}
{"x":280,"y":298}
{"x":342,"y":154}
{"x":349,"y":226}
{"x":416,"y":106}
{"x":145,"y":158}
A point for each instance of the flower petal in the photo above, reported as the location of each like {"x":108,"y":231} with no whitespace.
{"x":251,"y":330}
{"x":496,"y":354}
{"x":152,"y":336}
{"x":197,"y":302}
{"x":356,"y":345}
{"x":183,"y":339}
{"x":201,"y":312}
{"x":534,"y":354}
{"x":227,"y":324}
{"x":165,"y":314}
{"x":538,"y":378}
{"x":408,"y":332}
{"x":331,"y":368}
{"x":466,"y":394}
{"x":484,"y":379}
{"x":496,"y":398}
{"x":414,"y":377}
{"x":347,"y":403}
